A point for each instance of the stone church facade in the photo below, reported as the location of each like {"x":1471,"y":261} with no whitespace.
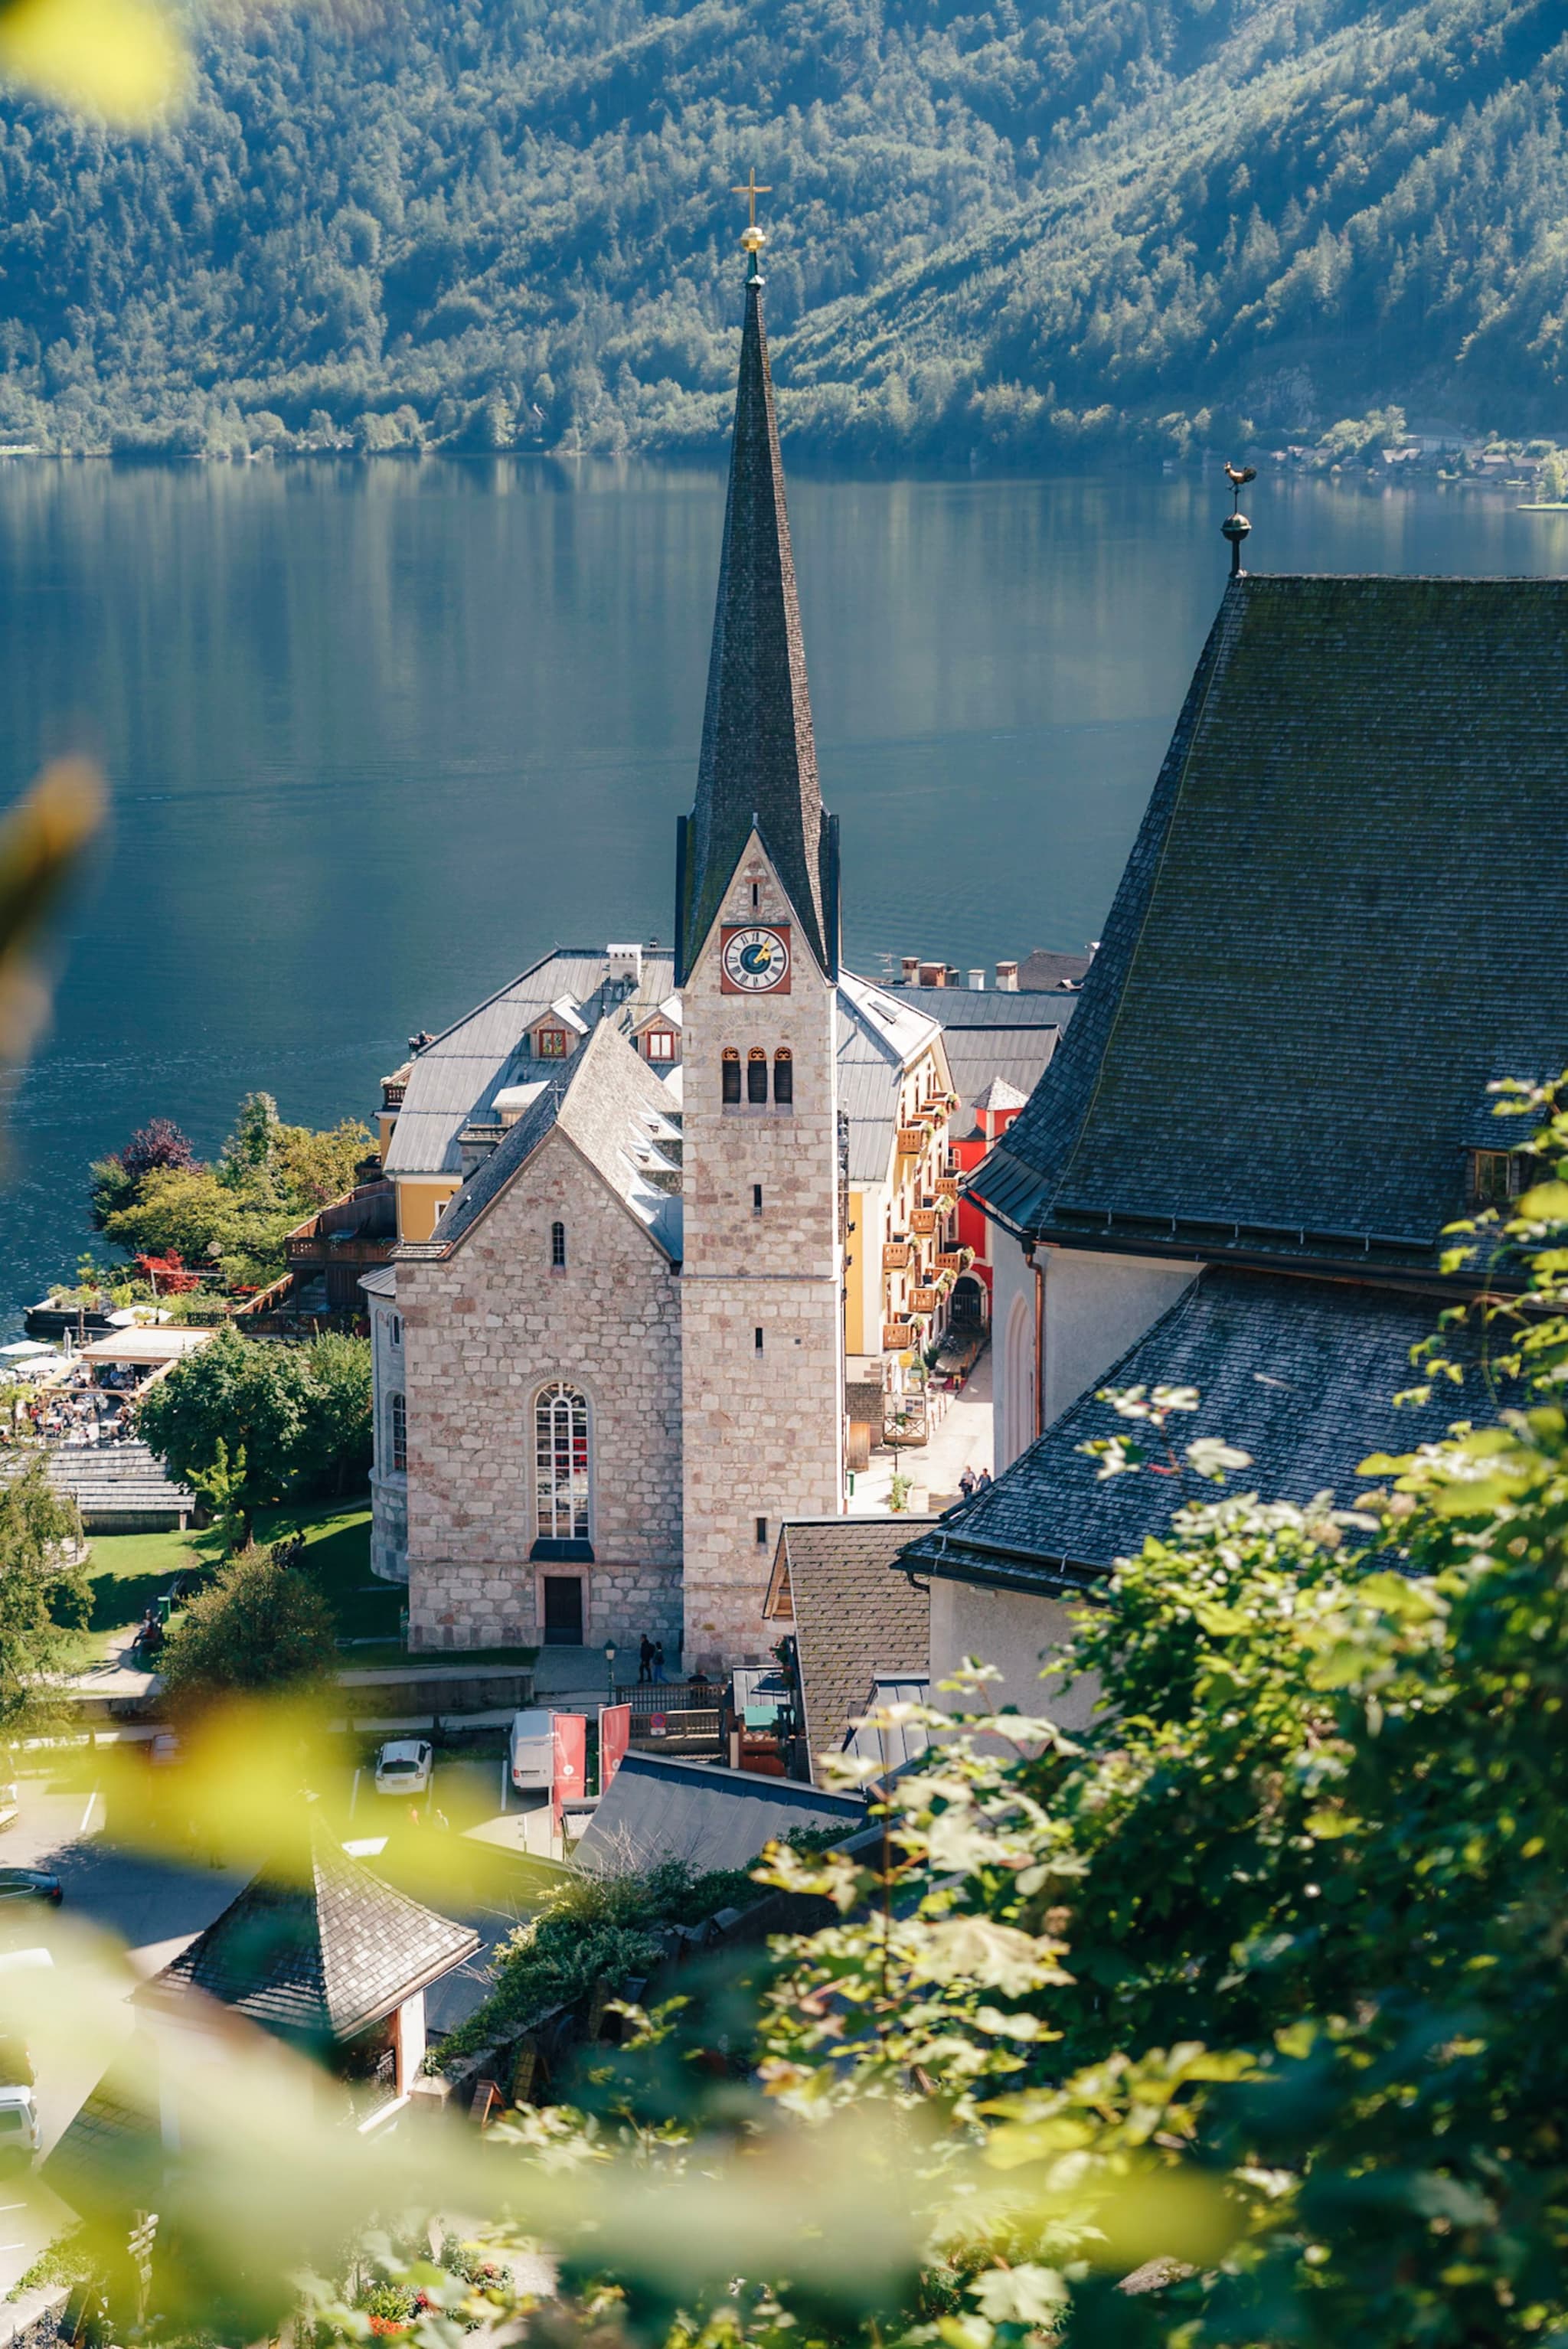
{"x":615,"y":1364}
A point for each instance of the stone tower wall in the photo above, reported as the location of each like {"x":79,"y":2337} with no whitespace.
{"x":483,"y":1330}
{"x":762,"y":1431}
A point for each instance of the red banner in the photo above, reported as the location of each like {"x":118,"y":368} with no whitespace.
{"x":570,"y":1733}
{"x":615,"y":1737}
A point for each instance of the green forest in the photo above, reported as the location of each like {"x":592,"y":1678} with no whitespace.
{"x":994,"y":230}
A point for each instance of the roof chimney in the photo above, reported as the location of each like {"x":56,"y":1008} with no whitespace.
{"x":910,"y":964}
{"x":977,"y":982}
{"x":934,"y":974}
{"x":1007,"y":978}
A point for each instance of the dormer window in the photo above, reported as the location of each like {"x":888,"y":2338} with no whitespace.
{"x":661,"y":1044}
{"x":549,"y":1043}
{"x":1498,"y":1176}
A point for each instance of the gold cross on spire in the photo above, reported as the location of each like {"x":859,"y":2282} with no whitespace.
{"x":753,"y":239}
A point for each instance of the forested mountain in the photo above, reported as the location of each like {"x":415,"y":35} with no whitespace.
{"x":498,"y":222}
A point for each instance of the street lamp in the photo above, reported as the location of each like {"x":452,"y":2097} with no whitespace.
{"x":610,"y":1666}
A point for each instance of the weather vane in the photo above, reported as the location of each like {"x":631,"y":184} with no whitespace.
{"x":753,"y":239}
{"x":1238,"y":477}
{"x":1235,"y":526}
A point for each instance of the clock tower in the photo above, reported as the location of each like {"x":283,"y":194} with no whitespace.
{"x":756,"y":946}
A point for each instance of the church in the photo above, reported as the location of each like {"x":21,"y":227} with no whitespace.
{"x":610,"y":1347}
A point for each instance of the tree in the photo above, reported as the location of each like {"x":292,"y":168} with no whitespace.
{"x":250,"y":1147}
{"x":336,"y":1448}
{"x":259,"y":1628}
{"x":313,"y":1168}
{"x":236,"y":1399}
{"x":44,"y":1594}
{"x":159,"y":1143}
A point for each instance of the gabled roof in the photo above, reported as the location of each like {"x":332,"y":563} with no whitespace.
{"x":758,"y":768}
{"x":1300,"y":1373}
{"x":316,"y":1947}
{"x":615,"y":1110}
{"x":708,"y":1817}
{"x":455,"y":1079}
{"x":854,"y":1622}
{"x":993,"y":1032}
{"x":880,"y":1035}
{"x":1367,"y":785}
{"x":1000,"y":1095}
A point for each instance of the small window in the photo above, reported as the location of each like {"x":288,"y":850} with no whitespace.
{"x":757,"y":1198}
{"x":731,"y":1069}
{"x":756,"y":894}
{"x":661,"y":1044}
{"x":1496,"y":1179}
{"x":552,"y":1044}
{"x":757,"y":1075}
{"x":558,"y":1248}
{"x":783,"y":1078}
{"x":761,"y":1529}
{"x":396,"y":1329}
{"x":757,"y":1341}
{"x":399,"y":1415}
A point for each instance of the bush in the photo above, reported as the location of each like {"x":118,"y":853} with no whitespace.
{"x":257,"y":1628}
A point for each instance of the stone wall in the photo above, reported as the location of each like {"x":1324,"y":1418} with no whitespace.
{"x":388,"y":1486}
{"x":763,"y":1428}
{"x":484,"y":1328}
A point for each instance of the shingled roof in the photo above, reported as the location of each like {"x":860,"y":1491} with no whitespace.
{"x":1300,"y":1373}
{"x":854,"y":1622}
{"x":316,"y":1947}
{"x":1367,"y":789}
{"x":759,"y":760}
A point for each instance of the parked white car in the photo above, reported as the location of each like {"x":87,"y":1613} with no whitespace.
{"x":403,"y":1767}
{"x":18,"y":2121}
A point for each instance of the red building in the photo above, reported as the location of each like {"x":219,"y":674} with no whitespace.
{"x":995,"y":1111}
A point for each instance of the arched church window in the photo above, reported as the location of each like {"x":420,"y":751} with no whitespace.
{"x":561,"y":1461}
{"x":783,"y":1078}
{"x":757,"y":1074}
{"x":399,"y":1417}
{"x":731,"y":1069}
{"x":558,"y":1248}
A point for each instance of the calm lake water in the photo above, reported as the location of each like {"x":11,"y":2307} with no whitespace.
{"x":378,"y":735}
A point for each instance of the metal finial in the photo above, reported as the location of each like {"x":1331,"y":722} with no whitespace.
{"x":752,"y":238}
{"x":1235,"y":525}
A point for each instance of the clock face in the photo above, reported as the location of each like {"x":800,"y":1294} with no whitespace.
{"x":754,"y":961}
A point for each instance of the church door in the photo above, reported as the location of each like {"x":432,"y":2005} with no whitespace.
{"x":562,"y":1611}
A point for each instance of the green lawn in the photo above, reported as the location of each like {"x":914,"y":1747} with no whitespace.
{"x":127,"y":1572}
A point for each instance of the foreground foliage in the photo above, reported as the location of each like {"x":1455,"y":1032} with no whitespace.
{"x":44,"y":1594}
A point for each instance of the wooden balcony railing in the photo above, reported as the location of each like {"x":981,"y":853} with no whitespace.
{"x":898,"y":1337}
{"x":950,"y":1260}
{"x":896,"y":1254}
{"x":922,"y":1301}
{"x":912,"y":1139}
{"x":924,"y":1220}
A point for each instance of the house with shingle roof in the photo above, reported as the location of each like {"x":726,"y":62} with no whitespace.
{"x":1211,"y":1184}
{"x":858,"y":1629}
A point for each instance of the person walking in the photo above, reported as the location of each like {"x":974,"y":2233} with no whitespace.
{"x":966,"y":1483}
{"x":645,"y":1662}
{"x":658,"y":1663}
{"x":982,"y":1482}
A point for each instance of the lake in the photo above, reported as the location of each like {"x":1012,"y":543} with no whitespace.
{"x":378,"y":735}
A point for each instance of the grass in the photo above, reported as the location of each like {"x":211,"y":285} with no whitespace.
{"x":128,"y":1571}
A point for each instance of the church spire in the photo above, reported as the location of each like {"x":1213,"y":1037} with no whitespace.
{"x":759,"y":762}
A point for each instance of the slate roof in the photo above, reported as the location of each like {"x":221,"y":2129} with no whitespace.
{"x":998,"y":1095}
{"x":992,"y":1033}
{"x":758,"y":758}
{"x":695,"y":1812}
{"x":854,"y":1622}
{"x":316,"y":1947}
{"x":1367,"y":786}
{"x":455,"y":1079}
{"x":1043,"y":968}
{"x":610,"y":1104}
{"x":1299,"y":1373}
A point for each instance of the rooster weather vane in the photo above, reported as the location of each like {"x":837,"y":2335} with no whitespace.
{"x":1238,"y":477}
{"x":1235,"y":525}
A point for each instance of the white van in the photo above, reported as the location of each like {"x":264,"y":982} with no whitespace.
{"x":531,"y":1753}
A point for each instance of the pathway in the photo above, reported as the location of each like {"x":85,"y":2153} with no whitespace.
{"x":964,"y":1438}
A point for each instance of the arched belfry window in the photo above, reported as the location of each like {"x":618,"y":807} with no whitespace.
{"x":558,"y":1248}
{"x":731,"y":1069}
{"x":783,"y":1078}
{"x":561,"y":1463}
{"x":757,"y":1074}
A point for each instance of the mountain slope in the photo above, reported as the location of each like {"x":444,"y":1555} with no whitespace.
{"x":509,"y":225}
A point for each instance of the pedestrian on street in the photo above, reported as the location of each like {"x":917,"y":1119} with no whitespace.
{"x":982,"y":1482}
{"x":645,"y":1662}
{"x":658,"y":1663}
{"x":966,"y":1483}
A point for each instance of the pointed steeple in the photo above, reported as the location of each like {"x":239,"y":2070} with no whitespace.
{"x":758,"y":763}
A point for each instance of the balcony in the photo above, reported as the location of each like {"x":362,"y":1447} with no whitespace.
{"x":924,"y":1220}
{"x":898,"y":1337}
{"x":359,"y":1229}
{"x":897,"y":1254}
{"x":954,"y":1260}
{"x":922,"y":1301}
{"x":912,"y":1139}
{"x":946,"y":1186}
